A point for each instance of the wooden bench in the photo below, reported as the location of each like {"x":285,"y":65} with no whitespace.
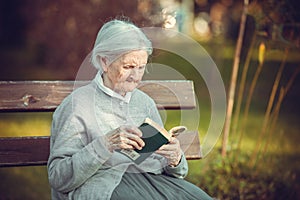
{"x":45,"y":96}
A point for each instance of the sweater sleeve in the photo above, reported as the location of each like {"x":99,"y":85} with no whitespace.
{"x":72,"y":158}
{"x":180,"y":171}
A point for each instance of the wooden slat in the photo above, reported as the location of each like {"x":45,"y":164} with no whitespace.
{"x":190,"y":144}
{"x":23,"y":96}
{"x":24,"y":151}
{"x":171,"y":94}
{"x":30,"y":151}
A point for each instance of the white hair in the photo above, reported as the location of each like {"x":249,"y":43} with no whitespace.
{"x":116,"y":38}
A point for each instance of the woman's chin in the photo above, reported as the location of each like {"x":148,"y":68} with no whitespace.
{"x":126,"y":88}
{"x":130,"y":87}
{"x":123,"y":91}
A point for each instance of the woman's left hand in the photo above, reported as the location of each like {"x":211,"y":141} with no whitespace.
{"x":171,"y":151}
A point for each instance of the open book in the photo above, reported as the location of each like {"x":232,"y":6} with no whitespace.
{"x":154,"y":137}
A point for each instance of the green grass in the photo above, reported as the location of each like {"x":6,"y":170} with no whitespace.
{"x":25,"y":124}
{"x":24,"y":183}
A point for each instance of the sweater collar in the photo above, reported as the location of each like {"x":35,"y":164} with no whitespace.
{"x":99,"y":82}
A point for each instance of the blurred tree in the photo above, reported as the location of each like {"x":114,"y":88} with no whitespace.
{"x":278,"y":21}
{"x":55,"y":35}
{"x":269,"y":16}
{"x":65,"y":32}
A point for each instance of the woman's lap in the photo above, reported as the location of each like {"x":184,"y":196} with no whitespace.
{"x":150,"y":186}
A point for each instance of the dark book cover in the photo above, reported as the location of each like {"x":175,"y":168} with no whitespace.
{"x":154,"y":137}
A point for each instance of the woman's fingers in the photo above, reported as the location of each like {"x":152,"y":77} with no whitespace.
{"x":173,"y":145}
{"x":126,"y":137}
{"x":133,"y":141}
{"x":131,"y":129}
{"x":132,"y":136}
{"x":171,"y":151}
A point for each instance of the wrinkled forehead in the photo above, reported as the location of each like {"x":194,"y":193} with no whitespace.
{"x":139,"y":57}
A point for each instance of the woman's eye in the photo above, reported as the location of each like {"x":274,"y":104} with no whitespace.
{"x":142,"y":67}
{"x":134,"y":67}
{"x":127,"y":67}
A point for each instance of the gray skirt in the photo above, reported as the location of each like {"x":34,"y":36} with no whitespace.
{"x":150,"y":186}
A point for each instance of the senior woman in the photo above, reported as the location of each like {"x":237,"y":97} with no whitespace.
{"x":97,"y":120}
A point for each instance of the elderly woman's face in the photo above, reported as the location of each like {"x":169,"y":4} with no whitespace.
{"x":124,"y":74}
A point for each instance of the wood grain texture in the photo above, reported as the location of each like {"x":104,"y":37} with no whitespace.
{"x":30,"y":151}
{"x":24,"y":151}
{"x":22,"y":96}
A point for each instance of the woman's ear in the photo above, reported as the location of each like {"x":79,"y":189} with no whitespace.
{"x":104,"y":63}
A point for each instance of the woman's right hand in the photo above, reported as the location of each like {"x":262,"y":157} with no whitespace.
{"x":125,"y":137}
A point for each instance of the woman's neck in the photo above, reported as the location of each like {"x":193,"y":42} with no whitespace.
{"x":108,"y":83}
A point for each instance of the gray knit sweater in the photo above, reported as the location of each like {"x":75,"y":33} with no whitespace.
{"x":80,"y":165}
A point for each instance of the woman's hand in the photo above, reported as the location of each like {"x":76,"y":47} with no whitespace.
{"x":171,"y":151}
{"x":125,"y":137}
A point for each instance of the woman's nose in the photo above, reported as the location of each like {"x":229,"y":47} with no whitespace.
{"x":134,"y":73}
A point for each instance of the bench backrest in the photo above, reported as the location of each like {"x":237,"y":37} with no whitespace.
{"x":45,"y":96}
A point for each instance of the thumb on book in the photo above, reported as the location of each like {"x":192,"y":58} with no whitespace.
{"x":175,"y":131}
